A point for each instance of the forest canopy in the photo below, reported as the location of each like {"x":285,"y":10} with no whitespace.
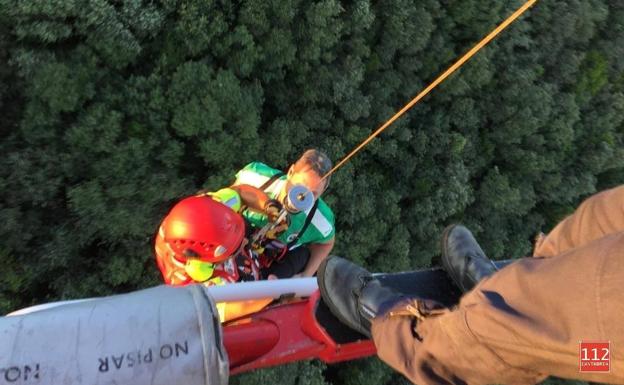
{"x":113,"y":110}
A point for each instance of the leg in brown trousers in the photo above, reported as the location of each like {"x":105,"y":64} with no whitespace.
{"x":525,"y":322}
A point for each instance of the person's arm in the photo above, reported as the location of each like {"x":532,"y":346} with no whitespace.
{"x":252,"y":197}
{"x":318,"y":252}
{"x":243,"y":196}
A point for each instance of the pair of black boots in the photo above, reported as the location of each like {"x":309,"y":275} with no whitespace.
{"x":355,"y":297}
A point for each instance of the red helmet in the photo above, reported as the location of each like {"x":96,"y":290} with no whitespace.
{"x":203,"y":228}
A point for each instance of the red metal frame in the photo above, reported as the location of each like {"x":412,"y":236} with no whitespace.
{"x":286,"y":333}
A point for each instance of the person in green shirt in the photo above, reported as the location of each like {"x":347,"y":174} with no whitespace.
{"x":309,"y":237}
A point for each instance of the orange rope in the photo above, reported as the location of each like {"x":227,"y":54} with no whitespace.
{"x":439,"y":80}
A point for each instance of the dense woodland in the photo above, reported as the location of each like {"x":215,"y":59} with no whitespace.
{"x":112,"y":110}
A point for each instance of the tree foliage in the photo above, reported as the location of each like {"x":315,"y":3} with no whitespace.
{"x":113,"y":109}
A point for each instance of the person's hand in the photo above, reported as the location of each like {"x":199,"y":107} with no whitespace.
{"x":298,"y":275}
{"x":272,"y":209}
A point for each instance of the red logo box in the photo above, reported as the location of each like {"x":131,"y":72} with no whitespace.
{"x":594,"y":356}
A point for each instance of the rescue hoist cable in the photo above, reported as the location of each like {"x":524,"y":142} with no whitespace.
{"x":437,"y":81}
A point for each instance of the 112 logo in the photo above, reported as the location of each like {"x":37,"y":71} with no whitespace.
{"x":594,"y":356}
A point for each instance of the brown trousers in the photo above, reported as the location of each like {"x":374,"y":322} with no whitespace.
{"x":525,"y":322}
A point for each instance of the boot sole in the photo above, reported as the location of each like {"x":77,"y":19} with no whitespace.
{"x":326,"y":298}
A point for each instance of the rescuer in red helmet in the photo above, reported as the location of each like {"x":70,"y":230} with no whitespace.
{"x":200,"y":234}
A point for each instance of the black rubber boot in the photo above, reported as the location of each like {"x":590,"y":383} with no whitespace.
{"x":352,"y":294}
{"x":463,"y":259}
